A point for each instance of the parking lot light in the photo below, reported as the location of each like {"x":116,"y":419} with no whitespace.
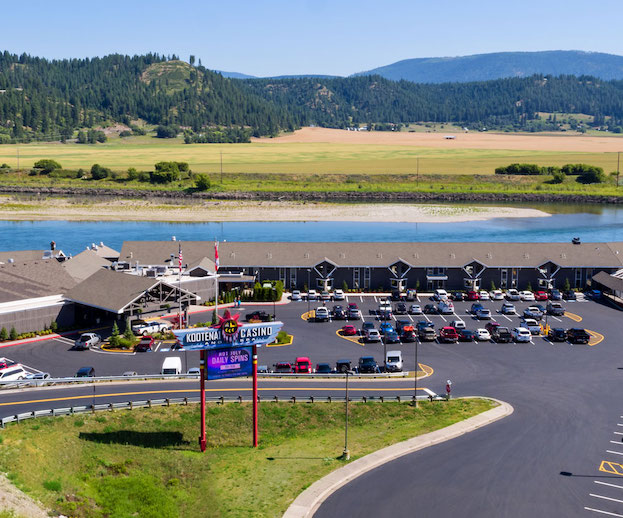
{"x":346,"y":452}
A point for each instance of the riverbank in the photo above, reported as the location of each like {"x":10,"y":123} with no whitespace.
{"x":71,"y":209}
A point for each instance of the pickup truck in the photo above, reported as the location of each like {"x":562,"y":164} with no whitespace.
{"x":427,"y":334}
{"x":258,"y":316}
{"x":578,"y":336}
{"x":501,"y":335}
{"x":86,"y":341}
{"x":448,"y":335}
{"x":142,"y":328}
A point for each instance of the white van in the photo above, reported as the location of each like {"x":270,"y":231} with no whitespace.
{"x":393,"y":361}
{"x":12,"y":373}
{"x":440,"y":294}
{"x":172,"y":365}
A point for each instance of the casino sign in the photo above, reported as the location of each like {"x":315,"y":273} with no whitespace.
{"x":228,"y":333}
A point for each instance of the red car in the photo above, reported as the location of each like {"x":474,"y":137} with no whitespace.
{"x":303,"y":365}
{"x":349,"y":330}
{"x":145,"y":344}
{"x":448,"y":334}
{"x":540,"y":295}
{"x":472,"y":295}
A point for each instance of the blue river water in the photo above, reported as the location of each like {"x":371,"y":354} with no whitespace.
{"x":601,"y":225}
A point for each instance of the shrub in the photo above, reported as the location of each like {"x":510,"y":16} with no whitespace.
{"x":4,"y":334}
{"x":128,"y":334}
{"x":54,"y":326}
{"x":567,"y":285}
{"x":98,"y":172}
{"x":167,"y":131}
{"x":114,"y":337}
{"x":125,"y":133}
{"x":202,"y":182}
{"x":595,"y":175}
{"x":13,"y":333}
{"x":132,"y":174}
{"x":47,"y":165}
{"x":520,"y":169}
{"x":558,"y":177}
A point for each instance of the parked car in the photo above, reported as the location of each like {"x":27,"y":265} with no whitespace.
{"x":391,"y":337}
{"x":521,"y":334}
{"x":339,"y":295}
{"x":483,"y":314}
{"x":283,"y":367}
{"x":261,"y":369}
{"x":533,"y":312}
{"x":368,"y":365}
{"x":557,"y":334}
{"x":365,"y":327}
{"x":86,"y":341}
{"x":258,"y":316}
{"x":472,"y":295}
{"x":400,"y":309}
{"x":508,"y":309}
{"x":302,"y":365}
{"x":531,"y":325}
{"x":501,"y":334}
{"x":476,"y":307}
{"x":578,"y":336}
{"x":496,"y":295}
{"x":295,"y":296}
{"x":415,"y":309}
{"x":83,"y":372}
{"x":555,"y":308}
{"x":594,"y":294}
{"x":426,"y":334}
{"x":448,"y":334}
{"x":397,"y":295}
{"x":458,"y":324}
{"x":13,"y":373}
{"x":385,"y":327}
{"x":457,"y":296}
{"x":446,"y":307}
{"x":569,"y":295}
{"x":483,"y":295}
{"x":393,"y":361}
{"x":411,"y":295}
{"x":325,"y":295}
{"x":430,"y":309}
{"x":541,"y":295}
{"x":140,"y":327}
{"x":321,"y":314}
{"x":323,"y":368}
{"x":482,"y":335}
{"x":312,"y":295}
{"x":526,"y":296}
{"x":466,"y":335}
{"x":491,"y":326}
{"x":555,"y":294}
{"x":38,"y":378}
{"x":384,"y":313}
{"x":372,"y":335}
{"x":440,"y":295}
{"x":196,"y":371}
{"x":512,"y":294}
{"x":145,"y":344}
{"x":423,"y":324}
{"x":349,"y":330}
{"x":338,"y":313}
{"x":354,"y":313}
{"x":401,"y":324}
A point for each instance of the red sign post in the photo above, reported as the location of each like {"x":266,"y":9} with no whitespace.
{"x":202,"y":377}
{"x":255,"y":402}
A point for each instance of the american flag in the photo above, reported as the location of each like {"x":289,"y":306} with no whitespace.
{"x":180,"y":257}
{"x":216,"y":255}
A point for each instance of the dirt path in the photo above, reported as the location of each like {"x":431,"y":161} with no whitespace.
{"x":12,"y":499}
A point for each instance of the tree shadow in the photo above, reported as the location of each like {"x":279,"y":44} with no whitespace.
{"x":132,"y":438}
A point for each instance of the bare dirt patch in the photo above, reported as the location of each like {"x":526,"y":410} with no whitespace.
{"x":12,"y":499}
{"x":571,"y":143}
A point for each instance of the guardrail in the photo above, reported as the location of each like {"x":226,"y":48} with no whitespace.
{"x":148,"y":377}
{"x":150,"y":403}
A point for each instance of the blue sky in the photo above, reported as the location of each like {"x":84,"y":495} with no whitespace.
{"x":272,"y":37}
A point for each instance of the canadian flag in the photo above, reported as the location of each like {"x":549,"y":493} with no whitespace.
{"x":216,"y":255}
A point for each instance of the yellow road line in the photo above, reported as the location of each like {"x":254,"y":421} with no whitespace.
{"x":611,"y":467}
{"x":428,"y":371}
{"x":289,"y":342}
{"x":145,"y":392}
{"x":308,"y":315}
{"x":596,"y":338}
{"x":573,"y":316}
{"x":355,"y":339}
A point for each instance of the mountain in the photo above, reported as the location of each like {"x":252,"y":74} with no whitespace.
{"x":234,"y":75}
{"x":484,"y":67}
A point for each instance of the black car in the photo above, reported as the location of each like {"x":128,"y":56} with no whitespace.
{"x":85,"y":372}
{"x":501,"y":335}
{"x":323,"y":368}
{"x":338,"y":313}
{"x":569,"y":295}
{"x":457,"y":296}
{"x":557,"y":334}
{"x":258,"y":316}
{"x":578,"y":336}
{"x":422,"y":324}
{"x":400,"y":324}
{"x":400,"y":309}
{"x":342,"y":365}
{"x":466,"y":335}
{"x":430,"y":309}
{"x":555,"y":295}
{"x":397,"y":295}
{"x":368,"y":365}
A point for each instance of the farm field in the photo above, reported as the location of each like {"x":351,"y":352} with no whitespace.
{"x":326,"y":151}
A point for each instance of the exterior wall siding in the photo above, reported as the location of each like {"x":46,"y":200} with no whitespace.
{"x":37,"y":319}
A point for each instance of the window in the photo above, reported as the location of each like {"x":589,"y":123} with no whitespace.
{"x":356,"y":280}
{"x":503,"y":278}
{"x":282,"y":275}
{"x":366,"y":278}
{"x":578,"y":277}
{"x":514,"y":278}
{"x":293,"y":278}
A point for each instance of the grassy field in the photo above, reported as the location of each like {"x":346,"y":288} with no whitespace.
{"x":291,"y":158}
{"x":146,"y":462}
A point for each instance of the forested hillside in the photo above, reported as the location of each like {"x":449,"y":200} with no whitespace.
{"x":44,"y":99}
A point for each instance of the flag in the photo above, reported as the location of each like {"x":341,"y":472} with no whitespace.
{"x":216,"y":255}
{"x":180,"y":257}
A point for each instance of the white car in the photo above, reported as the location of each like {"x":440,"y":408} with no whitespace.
{"x":531,"y":325}
{"x":457,"y":324}
{"x":338,"y":295}
{"x":393,"y":361}
{"x":526,"y":295}
{"x":312,"y":295}
{"x":483,"y":295}
{"x":496,"y":295}
{"x":13,"y":372}
{"x":446,"y":307}
{"x":322,"y":314}
{"x":521,"y":334}
{"x":143,"y":328}
{"x":508,"y":309}
{"x":296,"y":295}
{"x":440,"y":295}
{"x":512,"y":294}
{"x":415,"y":309}
{"x":482,"y":335}
{"x":372,"y":335}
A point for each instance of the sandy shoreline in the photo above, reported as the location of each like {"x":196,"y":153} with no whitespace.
{"x":142,"y":210}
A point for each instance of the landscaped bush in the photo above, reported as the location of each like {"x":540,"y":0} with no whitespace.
{"x":46,"y":165}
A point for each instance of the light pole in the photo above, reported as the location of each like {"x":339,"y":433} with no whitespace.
{"x":274,"y":296}
{"x":308,"y":282}
{"x":415,"y":377}
{"x":346,"y":453}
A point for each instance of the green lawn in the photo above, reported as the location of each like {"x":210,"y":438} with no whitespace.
{"x":146,"y":462}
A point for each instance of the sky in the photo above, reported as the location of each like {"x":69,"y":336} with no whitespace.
{"x":336,"y":37}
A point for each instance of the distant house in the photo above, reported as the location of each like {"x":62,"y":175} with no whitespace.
{"x":449,"y":137}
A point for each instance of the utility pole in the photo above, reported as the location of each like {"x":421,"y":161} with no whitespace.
{"x":17,"y":147}
{"x":221,"y":168}
{"x":618,"y":164}
{"x":417,"y":168}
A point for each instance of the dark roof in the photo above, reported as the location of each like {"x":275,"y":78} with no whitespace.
{"x":84,"y":265}
{"x":609,"y":281}
{"x":237,"y":254}
{"x":33,"y":279}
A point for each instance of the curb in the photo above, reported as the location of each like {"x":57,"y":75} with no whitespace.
{"x":308,"y":502}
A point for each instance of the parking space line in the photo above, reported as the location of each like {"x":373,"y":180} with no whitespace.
{"x":615,"y":442}
{"x":375,"y":299}
{"x":603,"y":512}
{"x":410,"y":318}
{"x":555,"y":318}
{"x":618,"y":433}
{"x":607,"y":484}
{"x":158,"y":346}
{"x":443,"y":318}
{"x":615,"y":452}
{"x":606,"y":498}
{"x":509,"y":319}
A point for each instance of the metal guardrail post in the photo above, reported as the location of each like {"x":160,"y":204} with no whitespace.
{"x":130,"y":405}
{"x":239,"y":399}
{"x":311,"y":399}
{"x":329,"y":399}
{"x":168,"y":403}
{"x":276,"y":398}
{"x":382,"y":399}
{"x":398,"y":398}
{"x":222,"y":400}
{"x":186,"y":401}
{"x":293,"y":399}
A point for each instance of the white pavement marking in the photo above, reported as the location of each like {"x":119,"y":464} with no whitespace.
{"x":615,"y":452}
{"x":360,"y":298}
{"x":603,"y":512}
{"x":618,"y":433}
{"x":27,"y":367}
{"x":426,"y":317}
{"x":615,"y":442}
{"x":65,"y":340}
{"x":443,"y":318}
{"x":619,"y":424}
{"x":509,"y":319}
{"x":411,"y":318}
{"x":375,"y":299}
{"x":556,"y":318}
{"x":158,"y":346}
{"x":606,"y":498}
{"x":607,"y":484}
